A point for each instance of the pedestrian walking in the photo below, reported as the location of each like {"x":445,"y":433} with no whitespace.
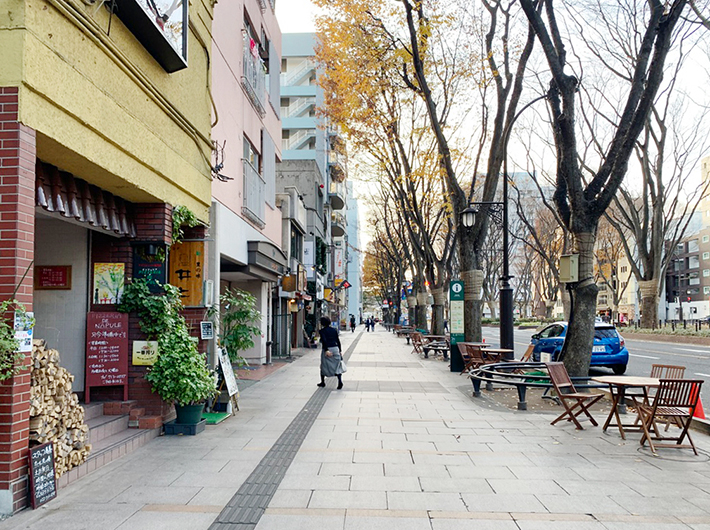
{"x":352,"y":323}
{"x":331,"y":355}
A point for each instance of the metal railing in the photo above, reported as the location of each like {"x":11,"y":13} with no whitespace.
{"x":254,"y":77}
{"x":254,"y":194}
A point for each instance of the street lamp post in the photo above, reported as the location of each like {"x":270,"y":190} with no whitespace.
{"x":498,"y":212}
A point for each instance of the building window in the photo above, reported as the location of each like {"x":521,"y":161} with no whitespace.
{"x":680,"y":248}
{"x":706,"y":272}
{"x":706,"y":255}
{"x":694,"y":262}
{"x":602,"y":300}
{"x":706,"y":239}
{"x":706,"y":290}
{"x":693,"y":245}
{"x":624,"y":268}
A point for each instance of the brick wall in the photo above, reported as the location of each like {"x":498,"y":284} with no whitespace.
{"x":17,"y":200}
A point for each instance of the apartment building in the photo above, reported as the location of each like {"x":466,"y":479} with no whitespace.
{"x":314,"y":165}
{"x":245,"y":226}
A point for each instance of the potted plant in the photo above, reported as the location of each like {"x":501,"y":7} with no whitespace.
{"x":180,"y":374}
{"x":237,"y":319}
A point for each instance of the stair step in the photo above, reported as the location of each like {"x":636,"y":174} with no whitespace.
{"x":107,"y":450}
{"x":93,"y":410}
{"x":103,"y":427}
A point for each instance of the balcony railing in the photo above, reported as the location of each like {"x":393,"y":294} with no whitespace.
{"x":254,"y":76}
{"x":254,"y":194}
{"x":298,"y":139}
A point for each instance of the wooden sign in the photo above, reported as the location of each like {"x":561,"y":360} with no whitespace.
{"x":57,"y":277}
{"x":107,"y":351}
{"x":43,"y":483}
{"x":187,"y":262}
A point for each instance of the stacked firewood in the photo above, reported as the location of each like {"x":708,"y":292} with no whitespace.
{"x":55,"y":413}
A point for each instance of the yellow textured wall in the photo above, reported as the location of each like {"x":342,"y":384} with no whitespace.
{"x":103,"y":108}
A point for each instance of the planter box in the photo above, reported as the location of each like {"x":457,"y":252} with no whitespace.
{"x":172,"y":428}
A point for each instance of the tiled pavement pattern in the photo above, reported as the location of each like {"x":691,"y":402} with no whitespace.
{"x":393,"y":456}
{"x":247,"y":506}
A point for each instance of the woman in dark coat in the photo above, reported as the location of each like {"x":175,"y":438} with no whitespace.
{"x":331,"y":355}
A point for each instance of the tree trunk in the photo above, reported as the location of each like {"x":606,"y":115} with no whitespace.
{"x":649,"y":303}
{"x":412,"y":309}
{"x":437,"y":311}
{"x":472,"y":310}
{"x":577,"y":349}
{"x":492,"y":308}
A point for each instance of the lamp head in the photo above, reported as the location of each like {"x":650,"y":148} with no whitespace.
{"x":468,"y":216}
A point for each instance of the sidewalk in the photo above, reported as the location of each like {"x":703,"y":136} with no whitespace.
{"x":402,"y":446}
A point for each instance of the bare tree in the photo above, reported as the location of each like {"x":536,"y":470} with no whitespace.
{"x":582,"y":194}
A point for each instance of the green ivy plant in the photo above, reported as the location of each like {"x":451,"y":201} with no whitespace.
{"x":180,"y":373}
{"x":11,"y":360}
{"x":182,"y":216}
{"x":236,"y":319}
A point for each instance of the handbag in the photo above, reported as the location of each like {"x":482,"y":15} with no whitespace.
{"x":342,"y":367}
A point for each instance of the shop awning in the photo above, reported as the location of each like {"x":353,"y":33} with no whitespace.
{"x":62,"y":193}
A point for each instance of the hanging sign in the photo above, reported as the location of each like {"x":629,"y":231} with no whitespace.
{"x":107,"y":351}
{"x":187,"y":262}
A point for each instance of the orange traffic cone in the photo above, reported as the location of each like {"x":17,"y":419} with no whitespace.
{"x":699,"y":412}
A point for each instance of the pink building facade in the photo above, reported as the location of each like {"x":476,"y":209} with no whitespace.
{"x":245,"y":225}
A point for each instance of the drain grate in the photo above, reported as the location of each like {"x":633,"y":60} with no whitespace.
{"x":247,"y":506}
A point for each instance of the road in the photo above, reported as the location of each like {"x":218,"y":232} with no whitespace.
{"x":643,"y":354}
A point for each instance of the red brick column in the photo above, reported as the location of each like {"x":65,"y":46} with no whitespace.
{"x":17,"y":219}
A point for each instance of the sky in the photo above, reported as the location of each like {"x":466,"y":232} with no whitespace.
{"x":295,"y":16}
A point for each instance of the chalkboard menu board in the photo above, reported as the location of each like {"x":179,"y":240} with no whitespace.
{"x":106,"y":351}
{"x":43,"y":485}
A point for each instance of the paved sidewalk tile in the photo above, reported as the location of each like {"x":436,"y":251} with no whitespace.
{"x":403,"y":446}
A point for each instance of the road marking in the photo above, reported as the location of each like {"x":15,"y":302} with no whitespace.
{"x":697,"y":351}
{"x":702,"y":375}
{"x":644,"y":356}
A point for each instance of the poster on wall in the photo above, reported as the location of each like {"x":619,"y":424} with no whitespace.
{"x":24,"y":323}
{"x":108,"y":282}
{"x":187,"y":262}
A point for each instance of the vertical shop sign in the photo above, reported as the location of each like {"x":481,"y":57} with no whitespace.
{"x":186,"y":270}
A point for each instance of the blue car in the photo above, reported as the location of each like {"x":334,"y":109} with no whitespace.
{"x":609,"y":347}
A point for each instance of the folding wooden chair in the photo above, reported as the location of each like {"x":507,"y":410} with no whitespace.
{"x":675,"y":401}
{"x":472,"y":356}
{"x":658,"y":371}
{"x":566,"y":392}
{"x":417,"y":342}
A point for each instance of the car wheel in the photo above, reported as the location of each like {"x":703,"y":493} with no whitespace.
{"x":619,"y":369}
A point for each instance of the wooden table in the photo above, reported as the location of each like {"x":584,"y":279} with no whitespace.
{"x":617,"y":387}
{"x":497,"y":354}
